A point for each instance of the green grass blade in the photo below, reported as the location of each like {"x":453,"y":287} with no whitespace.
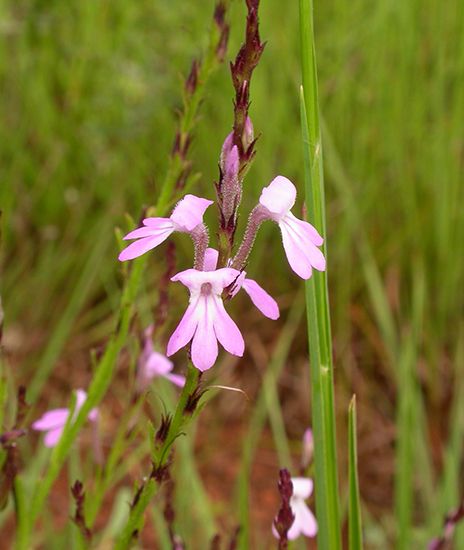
{"x":409,"y":407}
{"x":354,"y":507}
{"x":319,"y":334}
{"x":259,"y":416}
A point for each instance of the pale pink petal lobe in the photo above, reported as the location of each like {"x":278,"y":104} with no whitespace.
{"x":279,"y":196}
{"x":141,"y":246}
{"x":189,"y":212}
{"x":304,"y":517}
{"x":302,"y":487}
{"x":295,"y":255}
{"x":307,"y":228}
{"x":211,"y":259}
{"x":227,"y":332}
{"x":204,"y":343}
{"x":176,"y":379}
{"x":185,"y":330}
{"x":52,"y":437}
{"x":261,"y":299}
{"x":51,"y":419}
{"x":157,"y":365}
{"x":159,"y":224}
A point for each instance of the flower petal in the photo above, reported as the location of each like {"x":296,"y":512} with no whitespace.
{"x":157,"y":364}
{"x":185,"y":329}
{"x":204,"y":343}
{"x":143,"y":245}
{"x":81,"y":396}
{"x":211,"y":259}
{"x":159,"y":224}
{"x":151,"y":231}
{"x":302,"y":487}
{"x":311,"y":232}
{"x":305,"y":522}
{"x":176,"y":379}
{"x":55,"y":418}
{"x":227,"y":332}
{"x":52,"y":437}
{"x":218,"y":279}
{"x":189,"y":212}
{"x":302,"y":254}
{"x":261,"y":299}
{"x":278,"y":197}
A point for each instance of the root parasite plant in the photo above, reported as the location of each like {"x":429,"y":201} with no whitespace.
{"x":173,"y":374}
{"x":221,"y":255}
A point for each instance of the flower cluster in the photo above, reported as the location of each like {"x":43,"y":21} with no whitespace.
{"x":217,"y":276}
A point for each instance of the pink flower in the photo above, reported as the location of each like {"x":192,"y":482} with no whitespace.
{"x":300,"y":238}
{"x":308,"y":448}
{"x":304,"y":523}
{"x":54,"y":421}
{"x":260,"y":298}
{"x":185,"y":217}
{"x":205,"y":320}
{"x":152,"y":363}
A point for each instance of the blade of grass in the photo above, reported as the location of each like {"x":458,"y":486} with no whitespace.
{"x":258,"y":418}
{"x":61,"y":331}
{"x":354,"y":507}
{"x":408,"y":412}
{"x":149,"y":489}
{"x":96,"y":392}
{"x":319,"y":333}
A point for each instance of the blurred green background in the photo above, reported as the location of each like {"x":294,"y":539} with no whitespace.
{"x":88,"y":100}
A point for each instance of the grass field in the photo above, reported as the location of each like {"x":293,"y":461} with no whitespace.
{"x":88,"y":101}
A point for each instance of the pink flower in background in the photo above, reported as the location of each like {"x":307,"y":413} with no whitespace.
{"x":260,"y":298}
{"x":152,"y":364}
{"x":185,"y":217}
{"x":304,"y":523}
{"x":308,"y":448}
{"x":54,"y":421}
{"x":205,"y":320}
{"x":300,"y":238}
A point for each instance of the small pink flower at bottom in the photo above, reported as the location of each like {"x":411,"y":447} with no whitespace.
{"x":260,"y":298}
{"x":206,"y":321}
{"x":304,"y":523}
{"x":185,"y":217}
{"x":53,"y":421}
{"x":152,"y":364}
{"x":300,"y":238}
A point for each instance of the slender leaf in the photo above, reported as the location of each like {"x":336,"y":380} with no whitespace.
{"x":354,"y":507}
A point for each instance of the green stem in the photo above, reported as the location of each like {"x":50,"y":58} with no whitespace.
{"x":354,"y":506}
{"x":317,"y":300}
{"x":179,"y":420}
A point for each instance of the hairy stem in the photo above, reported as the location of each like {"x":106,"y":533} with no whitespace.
{"x":257,"y":216}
